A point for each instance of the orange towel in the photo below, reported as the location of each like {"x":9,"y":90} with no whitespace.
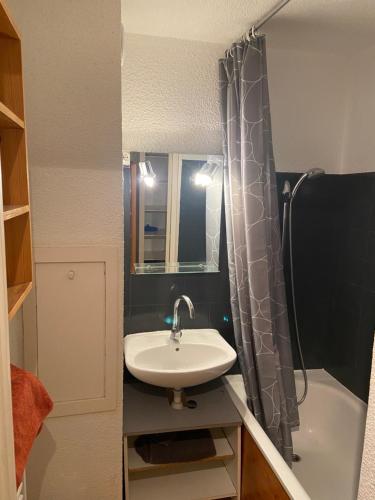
{"x":31,"y":405}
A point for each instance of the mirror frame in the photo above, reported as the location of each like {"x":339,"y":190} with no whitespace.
{"x":172,"y":266}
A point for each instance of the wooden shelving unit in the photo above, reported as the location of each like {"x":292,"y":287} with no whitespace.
{"x":13,"y":163}
{"x":147,"y":411}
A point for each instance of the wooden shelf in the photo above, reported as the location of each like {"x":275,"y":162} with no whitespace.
{"x":153,"y":235}
{"x":209,"y":482}
{"x":223,"y":451}
{"x":8,"y":119}
{"x":11,"y":211}
{"x":7,"y":27}
{"x":16,"y":296}
{"x":13,"y":165}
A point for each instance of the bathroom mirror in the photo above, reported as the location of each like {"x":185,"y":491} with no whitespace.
{"x":176,"y":204}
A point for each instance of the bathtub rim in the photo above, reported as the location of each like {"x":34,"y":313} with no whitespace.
{"x":322,"y":377}
{"x":235,"y":387}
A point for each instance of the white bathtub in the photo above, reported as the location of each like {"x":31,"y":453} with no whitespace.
{"x":329,"y":440}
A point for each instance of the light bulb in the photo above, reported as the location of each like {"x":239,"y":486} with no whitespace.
{"x":147,"y":174}
{"x":149,"y":181}
{"x":202,"y":179}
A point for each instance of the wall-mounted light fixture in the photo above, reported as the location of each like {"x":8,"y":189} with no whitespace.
{"x":147,"y":173}
{"x":205,"y":175}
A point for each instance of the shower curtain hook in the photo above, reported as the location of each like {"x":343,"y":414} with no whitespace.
{"x":253,"y":34}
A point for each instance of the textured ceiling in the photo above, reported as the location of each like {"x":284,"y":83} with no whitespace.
{"x":316,"y":23}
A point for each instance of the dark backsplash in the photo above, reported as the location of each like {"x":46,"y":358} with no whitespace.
{"x":351,"y":326}
{"x":334,"y":250}
{"x":152,"y":297}
{"x":334,"y":263}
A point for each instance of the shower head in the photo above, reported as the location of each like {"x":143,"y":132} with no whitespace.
{"x":315,"y":172}
{"x":310,"y":174}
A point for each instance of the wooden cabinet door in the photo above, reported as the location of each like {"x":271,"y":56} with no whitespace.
{"x":258,"y":482}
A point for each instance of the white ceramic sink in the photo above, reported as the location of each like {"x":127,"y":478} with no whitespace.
{"x":201,"y":355}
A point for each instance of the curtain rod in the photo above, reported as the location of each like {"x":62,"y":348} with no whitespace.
{"x":269,"y":15}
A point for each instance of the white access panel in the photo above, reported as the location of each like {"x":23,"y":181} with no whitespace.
{"x":72,"y":323}
{"x":71,"y":329}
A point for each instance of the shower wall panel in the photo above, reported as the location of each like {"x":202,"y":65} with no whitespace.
{"x":334,"y":262}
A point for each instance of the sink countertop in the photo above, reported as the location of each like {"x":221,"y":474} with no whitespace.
{"x":147,"y":411}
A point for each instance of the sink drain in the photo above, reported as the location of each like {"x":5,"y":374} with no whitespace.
{"x":296,"y":458}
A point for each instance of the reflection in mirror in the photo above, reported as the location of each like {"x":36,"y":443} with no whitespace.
{"x":176,"y":212}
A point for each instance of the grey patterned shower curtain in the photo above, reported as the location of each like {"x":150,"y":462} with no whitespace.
{"x":256,"y":273}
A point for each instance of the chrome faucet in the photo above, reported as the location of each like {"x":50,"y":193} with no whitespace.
{"x":176,"y":328}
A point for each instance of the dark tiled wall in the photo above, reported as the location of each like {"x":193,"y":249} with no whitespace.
{"x":334,"y":249}
{"x":152,"y":297}
{"x":314,"y":262}
{"x":352,"y":321}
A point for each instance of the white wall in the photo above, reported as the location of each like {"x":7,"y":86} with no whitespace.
{"x":16,"y":340}
{"x":308,"y":92}
{"x":171,"y":101}
{"x":358,"y":153}
{"x":73,"y":110}
{"x":170,"y":95}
